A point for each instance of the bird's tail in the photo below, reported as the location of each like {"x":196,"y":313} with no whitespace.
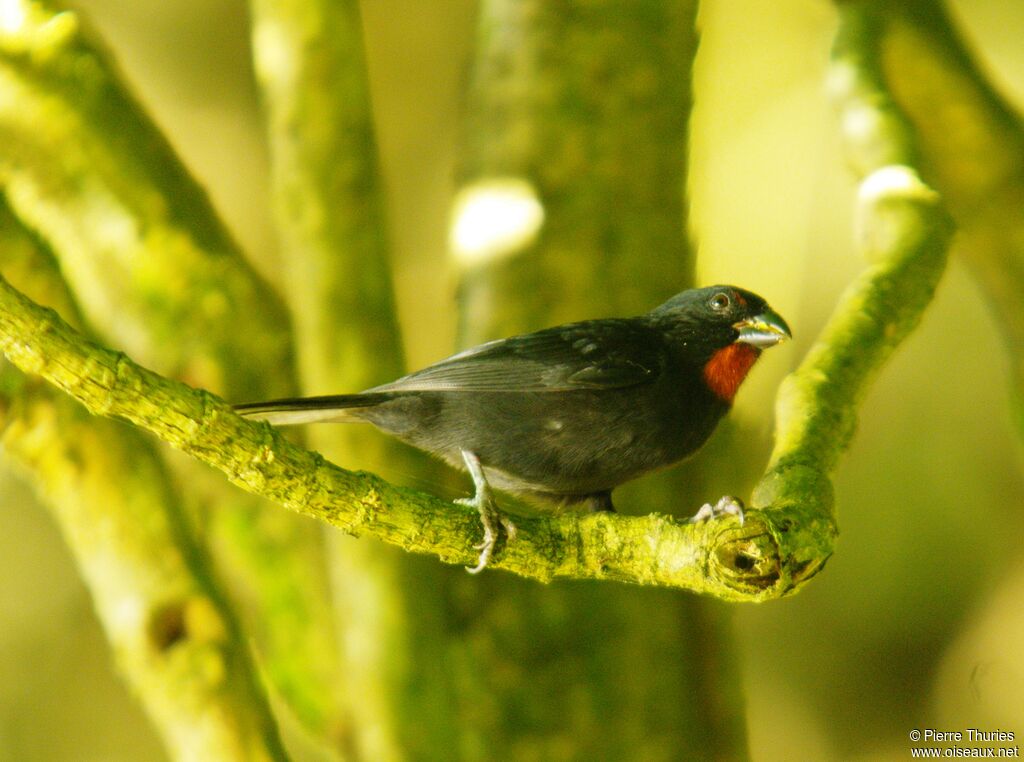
{"x":336,"y":408}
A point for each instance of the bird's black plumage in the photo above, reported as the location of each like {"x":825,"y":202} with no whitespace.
{"x":568,"y":413}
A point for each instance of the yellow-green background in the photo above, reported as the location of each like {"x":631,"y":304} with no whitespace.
{"x":914,"y":623}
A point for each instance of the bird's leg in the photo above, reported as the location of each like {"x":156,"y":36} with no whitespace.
{"x":490,"y":516}
{"x":600,"y":502}
{"x":726,"y":506}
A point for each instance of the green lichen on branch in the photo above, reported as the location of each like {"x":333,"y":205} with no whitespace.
{"x":905,"y":235}
{"x":971,"y":147}
{"x":781,"y":545}
{"x":158,"y":274}
{"x":655,"y":550}
{"x":329,"y":213}
{"x":329,"y":210}
{"x":138,"y":241}
{"x":171,"y":630}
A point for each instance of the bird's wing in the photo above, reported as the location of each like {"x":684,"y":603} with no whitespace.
{"x":596,"y":354}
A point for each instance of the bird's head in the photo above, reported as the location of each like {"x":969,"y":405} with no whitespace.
{"x":722,"y":329}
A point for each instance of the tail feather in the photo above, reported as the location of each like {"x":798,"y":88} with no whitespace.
{"x":336,"y":408}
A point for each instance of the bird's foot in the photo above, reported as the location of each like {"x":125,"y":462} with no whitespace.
{"x":726,"y":506}
{"x":490,"y":516}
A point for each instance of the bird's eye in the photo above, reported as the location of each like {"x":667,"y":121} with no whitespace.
{"x":720,"y":301}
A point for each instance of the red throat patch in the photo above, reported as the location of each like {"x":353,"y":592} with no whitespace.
{"x":728,"y":367}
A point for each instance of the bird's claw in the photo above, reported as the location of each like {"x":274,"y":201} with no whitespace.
{"x":490,"y":533}
{"x":490,"y":516}
{"x":726,"y":506}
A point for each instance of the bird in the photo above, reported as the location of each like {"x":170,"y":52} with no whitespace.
{"x":564,"y":415}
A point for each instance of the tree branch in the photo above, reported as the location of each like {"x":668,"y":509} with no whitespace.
{"x":905,"y":234}
{"x":329,"y":212}
{"x":171,"y":629}
{"x":781,"y":545}
{"x":84,"y":166}
{"x":971,"y":147}
{"x":156,"y":272}
{"x":650,"y":549}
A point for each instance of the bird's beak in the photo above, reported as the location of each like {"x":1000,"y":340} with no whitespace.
{"x":764,"y":330}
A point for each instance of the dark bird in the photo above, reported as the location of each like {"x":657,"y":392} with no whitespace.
{"x":564,"y":415}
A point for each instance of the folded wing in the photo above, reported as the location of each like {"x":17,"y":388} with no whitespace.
{"x":598,"y":354}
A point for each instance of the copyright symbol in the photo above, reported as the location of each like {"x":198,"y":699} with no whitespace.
{"x":915,"y":735}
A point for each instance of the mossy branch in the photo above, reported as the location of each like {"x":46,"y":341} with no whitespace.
{"x":328,"y":203}
{"x":157,"y":273}
{"x":650,"y":549}
{"x":905,"y":234}
{"x":147,"y":256}
{"x":781,"y":545}
{"x":170,"y":626}
{"x":971,"y":144}
{"x":329,"y":213}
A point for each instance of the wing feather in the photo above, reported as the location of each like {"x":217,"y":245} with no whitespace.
{"x":597,"y":354}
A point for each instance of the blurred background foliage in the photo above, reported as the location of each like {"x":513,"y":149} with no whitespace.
{"x":917,"y":620}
